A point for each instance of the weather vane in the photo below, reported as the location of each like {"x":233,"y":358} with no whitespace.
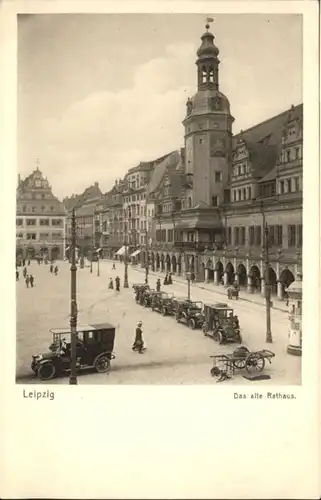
{"x":38,"y":163}
{"x":208,"y":21}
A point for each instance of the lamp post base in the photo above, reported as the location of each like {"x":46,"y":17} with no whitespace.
{"x":73,"y":380}
{"x":268,"y":338}
{"x":294,"y":350}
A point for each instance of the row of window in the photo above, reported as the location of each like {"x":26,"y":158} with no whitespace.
{"x":134,"y":197}
{"x":239,"y":170}
{"x":134,"y":210}
{"x":275,"y":235}
{"x":27,"y":209}
{"x":242,"y":194}
{"x":290,"y":185}
{"x":41,"y":236}
{"x":40,"y":222}
{"x":291,"y":154}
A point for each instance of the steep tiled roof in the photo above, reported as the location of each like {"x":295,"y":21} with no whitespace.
{"x":265,"y":139}
{"x":170,"y":162}
{"x":176,"y":180}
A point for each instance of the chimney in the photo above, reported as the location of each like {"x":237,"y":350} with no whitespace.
{"x":96,"y":184}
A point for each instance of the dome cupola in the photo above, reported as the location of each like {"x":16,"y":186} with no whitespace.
{"x":207,"y":62}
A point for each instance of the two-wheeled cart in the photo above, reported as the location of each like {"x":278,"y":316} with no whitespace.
{"x":225,"y":365}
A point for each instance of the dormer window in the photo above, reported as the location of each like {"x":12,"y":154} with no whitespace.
{"x":288,"y":156}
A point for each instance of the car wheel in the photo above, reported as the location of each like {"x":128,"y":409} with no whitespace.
{"x":218,"y":337}
{"x":46,"y":371}
{"x":102,"y":363}
{"x":191,"y":324}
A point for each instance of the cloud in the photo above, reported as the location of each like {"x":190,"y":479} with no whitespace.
{"x":100,"y":137}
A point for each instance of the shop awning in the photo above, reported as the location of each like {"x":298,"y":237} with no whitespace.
{"x":67,"y":249}
{"x":98,"y":250}
{"x":121,"y":251}
{"x":134,"y":254}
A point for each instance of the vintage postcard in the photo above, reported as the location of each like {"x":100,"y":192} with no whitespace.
{"x":162,"y":173}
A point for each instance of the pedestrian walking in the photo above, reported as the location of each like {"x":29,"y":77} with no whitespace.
{"x":31,"y":280}
{"x":51,"y":268}
{"x":29,"y":262}
{"x":138,"y":344}
{"x":170,"y":280}
{"x":166,"y":280}
{"x":117,"y":282}
{"x":158,"y":285}
{"x":17,"y":275}
{"x":114,"y":267}
{"x":192,"y":277}
{"x":111,"y":284}
{"x":56,"y":270}
{"x":24,"y":272}
{"x":27,"y":280}
{"x":23,"y":262}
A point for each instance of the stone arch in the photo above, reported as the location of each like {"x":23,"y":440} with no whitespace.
{"x":55,"y":253}
{"x":174,"y":263}
{"x":255,"y":276}
{"x":210,"y":270}
{"x":168,"y":263}
{"x":286,"y":277}
{"x":162,"y":262}
{"x":220,"y":270}
{"x":230,"y":272}
{"x":241,"y":272}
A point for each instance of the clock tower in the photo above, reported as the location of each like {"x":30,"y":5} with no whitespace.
{"x":208,"y":130}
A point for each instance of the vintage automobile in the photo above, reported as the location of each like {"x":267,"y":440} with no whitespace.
{"x":161,"y":301}
{"x":233,"y":291}
{"x":139,"y":289}
{"x":147,"y":297}
{"x":191,"y":313}
{"x":221,"y":324}
{"x":94,"y":348}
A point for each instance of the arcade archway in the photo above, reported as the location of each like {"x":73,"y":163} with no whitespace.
{"x":272,"y":281}
{"x":229,"y":269}
{"x":210,"y":270}
{"x":174,"y":264}
{"x":220,"y":270}
{"x":241,"y":271}
{"x":162,"y":263}
{"x":30,"y":252}
{"x":255,"y":276}
{"x":168,"y":263}
{"x":55,"y":253}
{"x":157,"y":262}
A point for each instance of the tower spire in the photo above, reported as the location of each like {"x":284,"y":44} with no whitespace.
{"x":207,"y":61}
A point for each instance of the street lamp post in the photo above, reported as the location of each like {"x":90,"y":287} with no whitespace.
{"x":73,"y":302}
{"x":188,"y":277}
{"x":268,"y":336}
{"x":126,"y":262}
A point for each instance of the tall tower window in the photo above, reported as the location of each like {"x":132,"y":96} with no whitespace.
{"x":204,"y":74}
{"x":211,"y":75}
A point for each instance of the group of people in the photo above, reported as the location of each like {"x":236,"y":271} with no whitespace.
{"x":29,"y":279}
{"x":168,"y":279}
{"x":117,"y":284}
{"x":54,"y":269}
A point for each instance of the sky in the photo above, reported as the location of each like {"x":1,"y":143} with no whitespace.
{"x":98,"y":93}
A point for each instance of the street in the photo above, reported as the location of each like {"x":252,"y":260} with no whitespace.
{"x":175,"y":354}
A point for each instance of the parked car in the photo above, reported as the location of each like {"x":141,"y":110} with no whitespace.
{"x":94,"y":348}
{"x":221,"y":324}
{"x":191,"y":313}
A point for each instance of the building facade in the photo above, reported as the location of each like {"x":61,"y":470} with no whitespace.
{"x":40,"y":219}
{"x":212,"y":208}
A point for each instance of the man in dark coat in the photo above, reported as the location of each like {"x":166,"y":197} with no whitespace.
{"x":158,"y":285}
{"x":27,"y":280}
{"x":117,"y":283}
{"x":51,"y":268}
{"x":166,"y":280}
{"x":56,"y":270}
{"x":138,"y":344}
{"x":170,"y":280}
{"x":32,"y":280}
{"x":17,"y":275}
{"x":24,"y":272}
{"x":111,"y":284}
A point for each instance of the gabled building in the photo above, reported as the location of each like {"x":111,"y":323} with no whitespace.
{"x":210,"y":211}
{"x":40,"y":219}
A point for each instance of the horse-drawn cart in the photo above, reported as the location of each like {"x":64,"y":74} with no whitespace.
{"x":225,"y":365}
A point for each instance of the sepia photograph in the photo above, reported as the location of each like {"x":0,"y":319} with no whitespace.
{"x":159,"y":200}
